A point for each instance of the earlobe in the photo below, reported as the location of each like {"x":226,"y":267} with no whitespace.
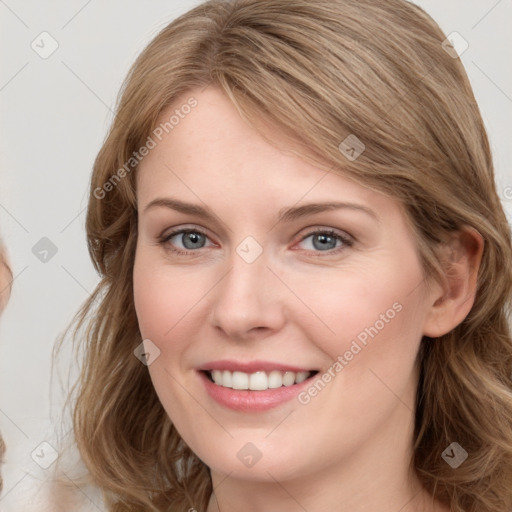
{"x":452,"y":300}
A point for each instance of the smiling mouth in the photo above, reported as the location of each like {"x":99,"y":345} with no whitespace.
{"x":257,"y":381}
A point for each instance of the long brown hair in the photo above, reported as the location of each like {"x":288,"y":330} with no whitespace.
{"x":321,"y":70}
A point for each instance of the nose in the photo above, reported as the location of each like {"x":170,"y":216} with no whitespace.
{"x":249,"y":301}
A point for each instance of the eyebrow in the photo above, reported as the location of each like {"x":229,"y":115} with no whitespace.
{"x":284,"y":215}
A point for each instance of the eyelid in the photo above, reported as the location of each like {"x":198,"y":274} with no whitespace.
{"x":170,"y":232}
{"x":325,"y":229}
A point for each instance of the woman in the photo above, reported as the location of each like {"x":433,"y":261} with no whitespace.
{"x":306,"y":271}
{"x":5,"y":291}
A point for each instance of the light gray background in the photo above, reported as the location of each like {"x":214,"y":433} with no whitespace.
{"x":54,"y":114}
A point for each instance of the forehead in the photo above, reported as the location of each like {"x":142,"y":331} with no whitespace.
{"x":208,"y":153}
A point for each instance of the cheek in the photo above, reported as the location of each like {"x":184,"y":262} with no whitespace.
{"x":164,"y":300}
{"x":164,"y":297}
{"x":353,"y":304}
{"x":368,"y":321}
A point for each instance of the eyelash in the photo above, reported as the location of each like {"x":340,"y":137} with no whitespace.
{"x":345,"y":239}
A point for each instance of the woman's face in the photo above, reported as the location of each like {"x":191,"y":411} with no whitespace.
{"x":264,"y":268}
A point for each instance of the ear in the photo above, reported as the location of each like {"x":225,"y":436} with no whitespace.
{"x":452,"y":300}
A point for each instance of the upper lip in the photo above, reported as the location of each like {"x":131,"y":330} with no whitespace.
{"x":251,"y":366}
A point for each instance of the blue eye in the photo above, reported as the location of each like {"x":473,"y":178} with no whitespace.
{"x":187,"y":241}
{"x":327,"y":240}
{"x":190,"y":239}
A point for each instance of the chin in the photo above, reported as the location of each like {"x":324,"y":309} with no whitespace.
{"x":257,"y":462}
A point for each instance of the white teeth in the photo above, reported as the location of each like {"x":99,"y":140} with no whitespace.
{"x":289,"y":379}
{"x":301,"y":377}
{"x":258,"y":381}
{"x":240,"y":380}
{"x":227,"y":380}
{"x":217,"y":377}
{"x":275,"y":379}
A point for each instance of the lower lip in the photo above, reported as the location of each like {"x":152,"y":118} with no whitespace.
{"x":251,"y":401}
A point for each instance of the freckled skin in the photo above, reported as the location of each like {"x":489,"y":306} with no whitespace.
{"x":294,"y":304}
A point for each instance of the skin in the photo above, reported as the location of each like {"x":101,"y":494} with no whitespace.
{"x":5,"y":290}
{"x":349,"y":448}
{"x":5,"y":279}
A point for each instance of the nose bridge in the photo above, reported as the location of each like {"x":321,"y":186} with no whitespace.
{"x":247,"y":297}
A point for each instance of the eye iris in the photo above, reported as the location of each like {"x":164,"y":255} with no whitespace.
{"x":192,"y":240}
{"x":324,"y":241}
